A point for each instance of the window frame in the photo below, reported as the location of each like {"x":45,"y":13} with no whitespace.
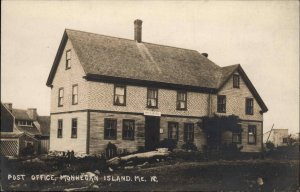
{"x":73,"y":136}
{"x":185,"y":132}
{"x":170,"y":128}
{"x":68,"y":60}
{"x":156,"y":99}
{"x":61,"y":104}
{"x":123,"y":129}
{"x":239,"y":133}
{"x":255,"y":134}
{"x":178,"y":101}
{"x":251,"y":112}
{"x":105,"y":123}
{"x":73,"y":95}
{"x":236,"y":81}
{"x":114,"y":98}
{"x":60,"y":128}
{"x":220,"y":105}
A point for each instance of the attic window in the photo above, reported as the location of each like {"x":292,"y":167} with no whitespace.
{"x":24,"y":123}
{"x":68,"y":59}
{"x":236,"y":81}
{"x":181,"y":100}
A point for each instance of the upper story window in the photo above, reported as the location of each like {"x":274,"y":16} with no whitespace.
{"x":74,"y":128}
{"x":236,"y":81}
{"x":110,"y":129}
{"x":251,"y":134}
{"x":221,"y":108}
{"x":60,"y":97}
{"x":24,"y":123}
{"x":60,"y":128}
{"x":128,"y":129}
{"x":173,"y":130}
{"x":189,"y":132}
{"x":75,"y":94}
{"x":120,"y":95}
{"x":68,"y":59}
{"x":249,"y":106}
{"x":181,"y":100}
{"x":152,"y":98}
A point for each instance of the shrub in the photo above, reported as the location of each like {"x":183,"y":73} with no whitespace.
{"x":168,"y":143}
{"x":270,"y":145}
{"x":189,"y":146}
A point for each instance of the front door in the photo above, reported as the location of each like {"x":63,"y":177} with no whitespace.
{"x":152,"y":126}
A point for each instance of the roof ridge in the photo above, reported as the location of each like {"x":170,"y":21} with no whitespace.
{"x":132,"y":40}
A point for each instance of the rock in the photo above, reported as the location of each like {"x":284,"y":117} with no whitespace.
{"x":129,"y":162}
{"x":114,"y":161}
{"x":260,"y":181}
{"x":142,"y":165}
{"x":157,"y":160}
{"x":129,"y":167}
{"x":95,"y":187}
{"x":110,"y":169}
{"x":97,"y":172}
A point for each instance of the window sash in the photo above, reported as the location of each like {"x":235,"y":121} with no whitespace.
{"x":60,"y":96}
{"x":251,"y":134}
{"x":74,"y":128}
{"x":119,"y":95}
{"x":128,"y":129}
{"x":188,"y":132}
{"x":221,"y":108}
{"x":59,"y":128}
{"x":236,"y":81}
{"x":249,"y":106}
{"x":152,"y":97}
{"x":173,"y":130}
{"x":110,"y":129}
{"x":68,"y":59}
{"x":181,"y":100}
{"x":75,"y":94}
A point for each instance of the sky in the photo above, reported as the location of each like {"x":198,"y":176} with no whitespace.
{"x":262,"y":36}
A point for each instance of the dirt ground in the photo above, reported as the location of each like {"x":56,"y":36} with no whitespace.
{"x":171,"y":175}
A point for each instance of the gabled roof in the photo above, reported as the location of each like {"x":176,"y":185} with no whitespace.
{"x":105,"y":57}
{"x":44,"y":122}
{"x":21,"y":114}
{"x":11,"y":134}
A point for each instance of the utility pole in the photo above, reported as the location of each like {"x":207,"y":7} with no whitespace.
{"x":270,"y":133}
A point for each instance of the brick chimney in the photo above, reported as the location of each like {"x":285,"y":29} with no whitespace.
{"x":32,"y":113}
{"x":138,"y":30}
{"x":8,"y":106}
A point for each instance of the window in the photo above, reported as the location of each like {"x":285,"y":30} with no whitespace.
{"x":236,"y":136}
{"x":60,"y":97}
{"x":181,"y":100}
{"x":68,"y":59}
{"x":24,"y":123}
{"x":74,"y":128}
{"x":152,"y":98}
{"x":60,"y":128}
{"x":110,"y":129}
{"x":221,"y":104}
{"x":251,"y":134}
{"x":120,"y":95}
{"x":249,"y":106}
{"x":173,"y":130}
{"x":188,"y":132}
{"x":284,"y":140}
{"x":236,"y":81}
{"x":128,"y":129}
{"x":75,"y":94}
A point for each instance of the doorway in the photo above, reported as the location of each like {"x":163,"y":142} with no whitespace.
{"x":152,"y":126}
